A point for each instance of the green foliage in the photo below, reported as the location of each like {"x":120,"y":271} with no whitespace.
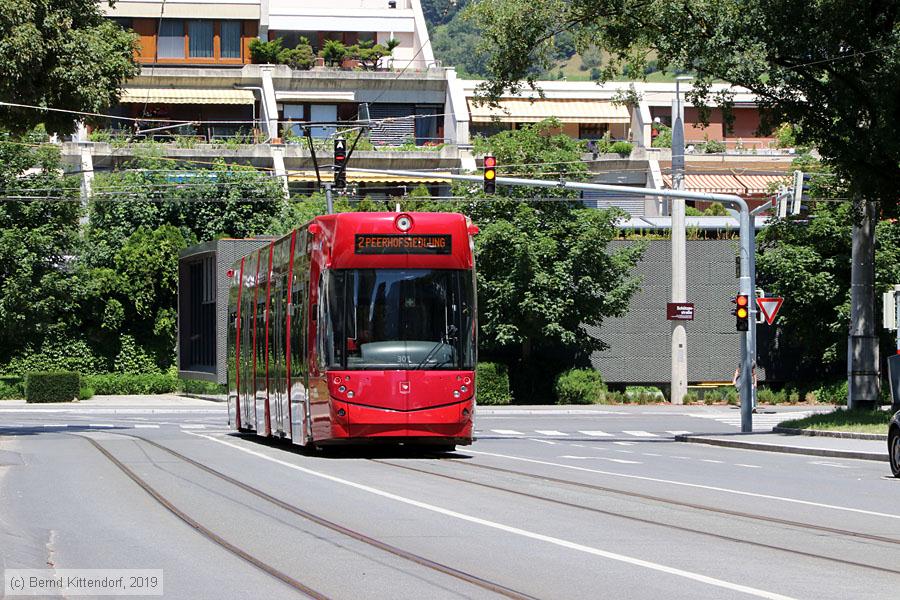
{"x":690,"y":211}
{"x":52,"y":386}
{"x":714,"y":147}
{"x":9,"y":391}
{"x":60,"y":53}
{"x":300,"y":58}
{"x":492,"y":384}
{"x":832,"y":393}
{"x":199,"y":386}
{"x":265,"y":53}
{"x":621,"y":148}
{"x":85,"y":392}
{"x":57,"y":355}
{"x":580,"y":386}
{"x":334,"y":52}
{"x":635,"y":394}
{"x":439,"y":12}
{"x":785,"y":136}
{"x":664,"y":137}
{"x":134,"y":359}
{"x":123,"y":384}
{"x":843,"y":420}
{"x":716,"y":209}
{"x":457,"y":43}
{"x":368,"y":54}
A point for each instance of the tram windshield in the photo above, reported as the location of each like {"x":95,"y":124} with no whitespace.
{"x":399,"y":319}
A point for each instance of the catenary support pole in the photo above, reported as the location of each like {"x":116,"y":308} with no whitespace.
{"x":863,"y":390}
{"x":329,"y":205}
{"x":746,"y":286}
{"x":678,"y":381}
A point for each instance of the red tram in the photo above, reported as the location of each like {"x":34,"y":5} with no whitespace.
{"x":357,"y":327}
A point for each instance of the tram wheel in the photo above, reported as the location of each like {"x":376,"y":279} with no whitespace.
{"x":894,"y":447}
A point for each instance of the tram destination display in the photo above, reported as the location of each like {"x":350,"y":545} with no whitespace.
{"x":387,"y":243}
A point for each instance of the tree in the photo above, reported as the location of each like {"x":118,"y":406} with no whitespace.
{"x":831,"y":67}
{"x":60,"y":54}
{"x":38,"y":236}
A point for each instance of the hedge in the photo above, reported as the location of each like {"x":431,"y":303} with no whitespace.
{"x":580,"y":386}
{"x":52,"y":386}
{"x":200,"y":386}
{"x":492,"y":384}
{"x":123,"y":384}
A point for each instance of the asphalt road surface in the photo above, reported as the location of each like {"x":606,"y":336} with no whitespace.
{"x":548,"y":503}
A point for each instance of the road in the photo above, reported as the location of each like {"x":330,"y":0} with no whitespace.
{"x":548,"y":503}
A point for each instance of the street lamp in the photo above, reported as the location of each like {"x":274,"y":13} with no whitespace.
{"x":679,"y":249}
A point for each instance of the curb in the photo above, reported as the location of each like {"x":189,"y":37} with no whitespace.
{"x":825,"y":452}
{"x":850,"y":435}
{"x":203,"y":397}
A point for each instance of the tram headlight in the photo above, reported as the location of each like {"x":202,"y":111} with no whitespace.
{"x":456,"y":393}
{"x":464,"y":389}
{"x":350,"y":395}
{"x":342,"y":389}
{"x":403,"y":222}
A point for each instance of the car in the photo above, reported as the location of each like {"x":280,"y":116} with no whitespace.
{"x":894,"y":443}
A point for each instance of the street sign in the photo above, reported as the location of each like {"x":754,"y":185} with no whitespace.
{"x":679,"y":311}
{"x":769,"y":307}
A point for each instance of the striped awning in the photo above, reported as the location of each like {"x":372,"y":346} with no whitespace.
{"x":567,"y":111}
{"x":720,"y":183}
{"x":357,"y":177}
{"x":186,"y":96}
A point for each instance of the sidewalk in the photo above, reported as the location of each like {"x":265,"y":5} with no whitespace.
{"x":833,"y":447}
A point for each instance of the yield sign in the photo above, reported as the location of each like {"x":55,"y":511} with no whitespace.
{"x":769,"y":307}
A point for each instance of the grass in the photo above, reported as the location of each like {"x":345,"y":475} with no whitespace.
{"x":844,"y":420}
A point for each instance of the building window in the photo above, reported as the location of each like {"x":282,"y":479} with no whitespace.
{"x":230,"y":32}
{"x":592,"y":131}
{"x":200,"y":39}
{"x":171,"y":39}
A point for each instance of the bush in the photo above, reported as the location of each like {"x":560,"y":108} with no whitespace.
{"x":621,"y":148}
{"x":715,"y":210}
{"x":134,"y":359}
{"x":9,"y":391}
{"x":62,"y":355}
{"x":334,"y":52}
{"x":663,"y":138}
{"x":691,"y":397}
{"x":832,"y":393}
{"x":52,"y":386}
{"x":636,"y":394}
{"x":714,"y":147}
{"x":199,"y":386}
{"x":580,"y":386}
{"x":124,"y":384}
{"x":85,"y":392}
{"x":492,"y":384}
{"x":265,"y":53}
{"x":300,"y":58}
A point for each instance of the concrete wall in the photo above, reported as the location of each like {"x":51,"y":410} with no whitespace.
{"x":640,"y":341}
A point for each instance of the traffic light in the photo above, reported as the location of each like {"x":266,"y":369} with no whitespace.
{"x":801,"y":187}
{"x":490,"y":174}
{"x":741,"y":312}
{"x":340,"y":163}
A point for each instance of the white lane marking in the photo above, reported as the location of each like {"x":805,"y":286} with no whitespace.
{"x":507,"y":431}
{"x":542,"y":441}
{"x":615,"y":460}
{"x":692,"y":485}
{"x":550,"y":432}
{"x":56,"y":424}
{"x":678,"y":432}
{"x":592,"y":433}
{"x":736,"y":587}
{"x":829,"y":464}
{"x":578,"y":445}
{"x":748,"y":466}
{"x":681,"y":457}
{"x":192,"y":426}
{"x":641,"y":433}
{"x":625,"y":443}
{"x":626,"y":451}
{"x":709,"y":460}
{"x":100,"y":425}
{"x":650,"y":454}
{"x":145,"y":426}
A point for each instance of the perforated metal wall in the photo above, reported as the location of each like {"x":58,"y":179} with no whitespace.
{"x":640,"y":342}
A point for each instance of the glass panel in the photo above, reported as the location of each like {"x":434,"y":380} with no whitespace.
{"x":171,"y":39}
{"x":294,"y":112}
{"x":201,"y":39}
{"x":400,"y":319}
{"x":230,"y":32}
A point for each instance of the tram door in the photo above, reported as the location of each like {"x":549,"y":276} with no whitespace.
{"x":277,"y":333}
{"x":233,"y":343}
{"x":262,"y":375}
{"x":299,"y":407}
{"x":248,"y":301}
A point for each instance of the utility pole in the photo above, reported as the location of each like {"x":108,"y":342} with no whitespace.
{"x":329,"y":205}
{"x":679,"y":376}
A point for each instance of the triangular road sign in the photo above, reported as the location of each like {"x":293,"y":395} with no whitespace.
{"x":769,"y":307}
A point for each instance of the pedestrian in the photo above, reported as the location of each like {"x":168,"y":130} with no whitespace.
{"x":736,"y":382}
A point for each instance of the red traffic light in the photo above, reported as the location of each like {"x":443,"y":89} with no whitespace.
{"x":490,"y":162}
{"x":742,"y":300}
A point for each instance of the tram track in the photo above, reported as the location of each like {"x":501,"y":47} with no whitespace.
{"x":206,"y":532}
{"x":469,"y":578}
{"x":653,"y":522}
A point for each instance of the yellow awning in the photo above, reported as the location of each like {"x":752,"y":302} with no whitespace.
{"x":187,"y":96}
{"x":567,"y":111}
{"x":365,"y":177}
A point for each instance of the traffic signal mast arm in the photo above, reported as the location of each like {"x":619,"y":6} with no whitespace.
{"x":747,"y":250}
